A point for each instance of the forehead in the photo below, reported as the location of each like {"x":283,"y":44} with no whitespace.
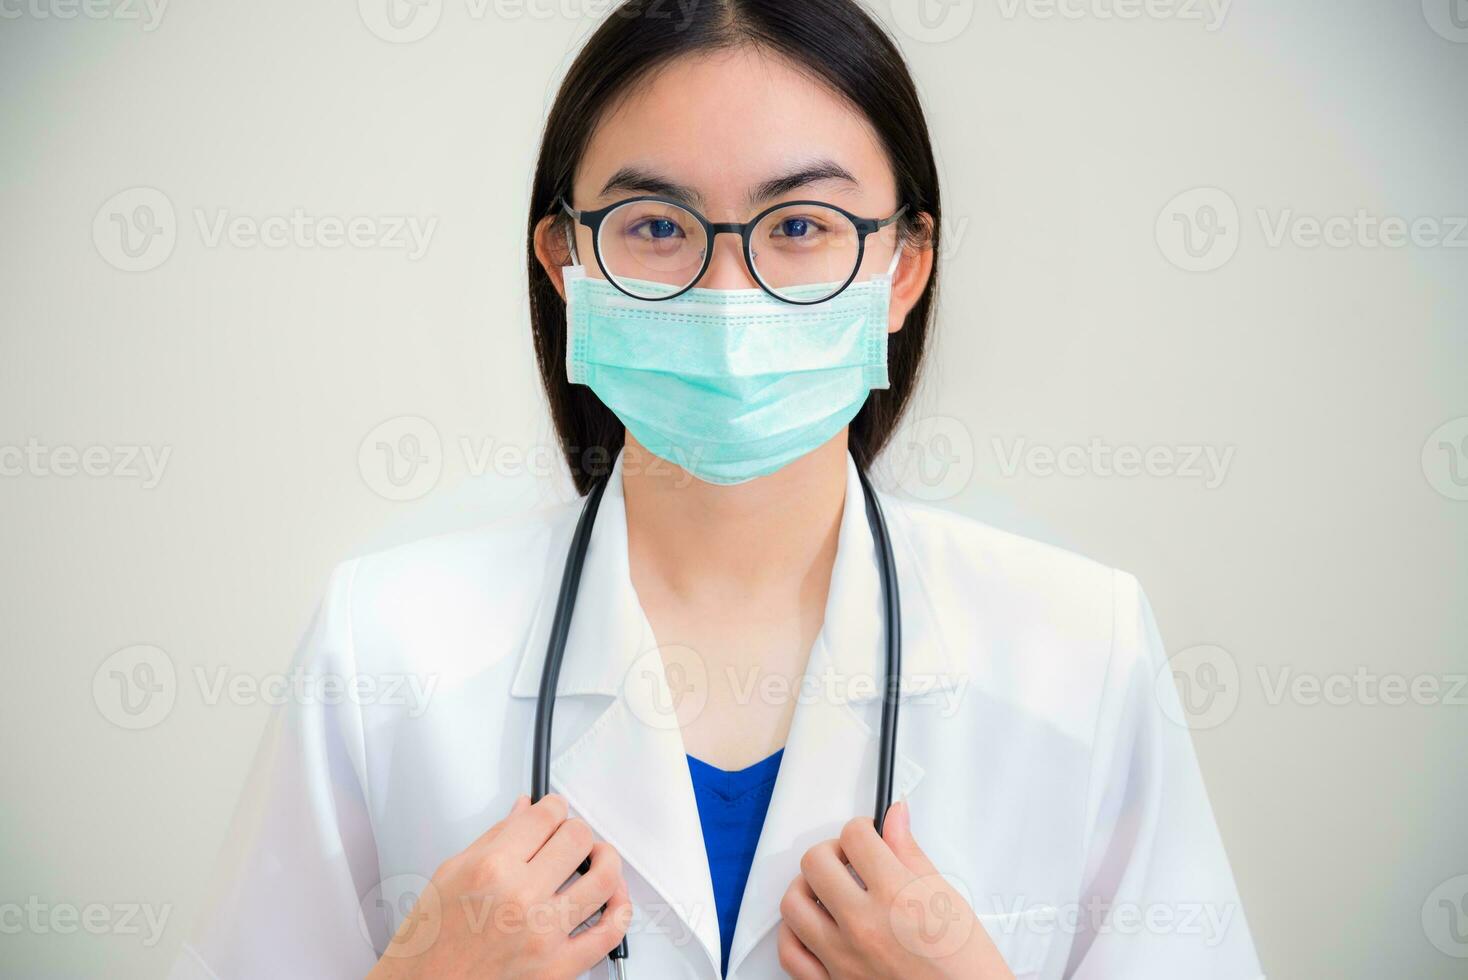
{"x":724,"y":122}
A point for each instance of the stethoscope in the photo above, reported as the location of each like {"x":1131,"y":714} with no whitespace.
{"x":561,"y":628}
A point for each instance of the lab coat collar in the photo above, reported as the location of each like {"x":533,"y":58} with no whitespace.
{"x":609,"y":631}
{"x":854,"y":626}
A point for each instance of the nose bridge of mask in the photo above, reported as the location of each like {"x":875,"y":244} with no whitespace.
{"x":721,"y":336}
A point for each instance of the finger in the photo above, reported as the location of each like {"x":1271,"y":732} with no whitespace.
{"x":897,"y":832}
{"x":824,"y":868}
{"x":592,"y":890}
{"x":527,"y":831}
{"x":796,"y":960}
{"x":589,"y":947}
{"x":522,"y":802}
{"x":871,"y":857}
{"x":562,"y":854}
{"x":812,"y":924}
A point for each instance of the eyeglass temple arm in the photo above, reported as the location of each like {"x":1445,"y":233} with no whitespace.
{"x":571,"y":229}
{"x":884,"y":222}
{"x":897,"y":253}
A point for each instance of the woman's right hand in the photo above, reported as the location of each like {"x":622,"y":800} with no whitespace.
{"x":497,"y":909}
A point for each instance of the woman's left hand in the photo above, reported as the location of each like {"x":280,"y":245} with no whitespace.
{"x":902,"y":921}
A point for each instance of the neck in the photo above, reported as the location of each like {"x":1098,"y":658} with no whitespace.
{"x":776,"y":532}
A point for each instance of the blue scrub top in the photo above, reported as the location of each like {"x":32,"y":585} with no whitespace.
{"x":732,"y":808}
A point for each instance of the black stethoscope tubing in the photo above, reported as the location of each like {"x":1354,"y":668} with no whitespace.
{"x":561,"y":629}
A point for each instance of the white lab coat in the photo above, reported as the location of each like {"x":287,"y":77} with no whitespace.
{"x":1044,"y":775}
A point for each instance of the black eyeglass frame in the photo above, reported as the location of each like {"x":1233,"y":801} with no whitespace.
{"x":864,"y":227}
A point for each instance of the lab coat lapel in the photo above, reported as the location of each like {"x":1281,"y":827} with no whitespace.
{"x":618,"y":758}
{"x":629,"y":780}
{"x":827,"y":776}
{"x":829,"y":769}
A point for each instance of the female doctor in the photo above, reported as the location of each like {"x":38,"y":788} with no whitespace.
{"x":732,"y":239}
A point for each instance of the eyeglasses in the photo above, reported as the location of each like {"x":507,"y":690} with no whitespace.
{"x":801,"y":252}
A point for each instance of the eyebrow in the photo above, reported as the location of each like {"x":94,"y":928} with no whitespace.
{"x":810,"y":173}
{"x":635,"y":180}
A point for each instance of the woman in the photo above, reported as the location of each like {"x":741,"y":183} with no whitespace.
{"x":732,"y":241}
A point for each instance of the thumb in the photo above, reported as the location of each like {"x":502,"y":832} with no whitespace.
{"x":897,"y":832}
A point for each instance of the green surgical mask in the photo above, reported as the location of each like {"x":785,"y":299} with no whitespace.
{"x":730,"y":385}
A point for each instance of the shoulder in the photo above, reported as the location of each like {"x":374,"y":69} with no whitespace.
{"x":956,"y":553}
{"x":960,"y":543}
{"x":1031,"y":622}
{"x":453,"y":603}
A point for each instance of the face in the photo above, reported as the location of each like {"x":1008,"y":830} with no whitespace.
{"x":731,"y":134}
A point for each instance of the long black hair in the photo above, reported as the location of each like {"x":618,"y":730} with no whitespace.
{"x":834,"y":41}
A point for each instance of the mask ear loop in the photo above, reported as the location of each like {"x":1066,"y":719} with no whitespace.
{"x":896,"y":258}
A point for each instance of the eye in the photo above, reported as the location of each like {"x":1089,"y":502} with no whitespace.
{"x":656,"y":229}
{"x":796,"y":228}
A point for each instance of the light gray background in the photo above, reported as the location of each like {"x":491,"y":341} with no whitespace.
{"x":1332,"y":545}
